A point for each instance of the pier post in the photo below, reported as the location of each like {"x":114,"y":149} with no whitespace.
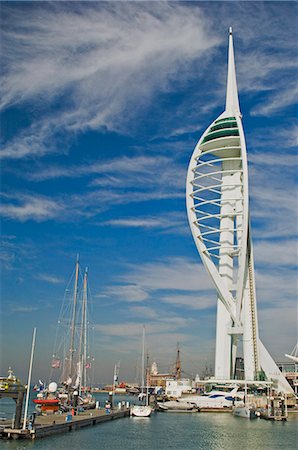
{"x":19,"y":406}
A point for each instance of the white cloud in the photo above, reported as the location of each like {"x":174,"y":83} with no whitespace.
{"x":143,"y":312}
{"x":276,"y":253}
{"x":24,"y":207}
{"x":277,"y":102}
{"x":134,"y":329}
{"x":175,"y":222}
{"x":278,"y":330}
{"x":140,"y":172}
{"x":123,"y":180}
{"x":110,"y":60}
{"x":129,"y":293}
{"x":177,"y":282}
{"x":273,"y":191}
{"x":29,"y":207}
{"x":14,"y":309}
{"x":276,"y":288}
{"x":106,"y":63}
{"x":172,"y":274}
{"x":49,"y":278}
{"x":197,"y":302}
{"x":149,"y":222}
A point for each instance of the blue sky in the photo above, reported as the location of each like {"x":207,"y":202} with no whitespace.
{"x":102,"y":105}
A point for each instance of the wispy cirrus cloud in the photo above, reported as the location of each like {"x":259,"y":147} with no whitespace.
{"x":160,"y":326}
{"x":176,"y":274}
{"x":127,"y":292}
{"x":131,"y":170}
{"x":51,"y":279}
{"x":177,"y":282}
{"x":15,"y":309}
{"x":144,"y":312}
{"x":285,"y":252}
{"x":278,"y":101}
{"x":107,"y":82}
{"x":104,"y":77}
{"x":48,"y":48}
{"x":194,"y":301}
{"x":111,"y":182}
{"x":24,"y":207}
{"x":150,"y":222}
{"x":174,"y":222}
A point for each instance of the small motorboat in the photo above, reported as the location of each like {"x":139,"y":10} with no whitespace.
{"x":177,"y":406}
{"x":246,"y":411}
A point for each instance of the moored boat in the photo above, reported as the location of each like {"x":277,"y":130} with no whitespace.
{"x":11,"y":383}
{"x":215,"y":399}
{"x":71,"y":353}
{"x":142,"y":410}
{"x":47,"y":404}
{"x":245,"y":411}
{"x":177,"y":406}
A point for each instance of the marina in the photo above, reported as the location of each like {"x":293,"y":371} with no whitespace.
{"x":205,"y":301}
{"x":169,"y":431}
{"x":68,"y":403}
{"x":51,"y":424}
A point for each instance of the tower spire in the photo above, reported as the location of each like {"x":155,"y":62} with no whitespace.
{"x":232,"y":102}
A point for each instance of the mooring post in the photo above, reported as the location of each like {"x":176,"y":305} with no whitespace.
{"x":19,"y":406}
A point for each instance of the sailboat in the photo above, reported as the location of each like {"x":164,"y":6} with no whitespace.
{"x":142,"y":410}
{"x":71,"y":354}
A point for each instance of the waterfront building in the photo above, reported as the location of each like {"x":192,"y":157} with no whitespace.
{"x":156,"y":379}
{"x":290,"y":371}
{"x":175,"y":388}
{"x":219,"y":217}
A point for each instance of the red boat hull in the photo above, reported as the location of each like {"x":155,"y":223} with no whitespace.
{"x":47,"y":404}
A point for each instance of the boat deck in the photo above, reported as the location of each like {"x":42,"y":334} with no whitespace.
{"x":57,"y":423}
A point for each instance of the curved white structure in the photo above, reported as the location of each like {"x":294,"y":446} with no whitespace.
{"x":218,"y":213}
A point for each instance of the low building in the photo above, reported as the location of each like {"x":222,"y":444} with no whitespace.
{"x":175,"y":388}
{"x":290,"y":371}
{"x":158,"y":380}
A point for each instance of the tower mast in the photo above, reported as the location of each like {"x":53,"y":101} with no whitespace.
{"x":232,"y":101}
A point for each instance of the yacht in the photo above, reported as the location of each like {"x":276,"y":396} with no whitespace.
{"x":213,"y":399}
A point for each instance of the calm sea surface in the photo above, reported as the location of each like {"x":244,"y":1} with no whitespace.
{"x":163,"y":431}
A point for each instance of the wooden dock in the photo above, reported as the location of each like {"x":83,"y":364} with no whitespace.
{"x":59,"y":423}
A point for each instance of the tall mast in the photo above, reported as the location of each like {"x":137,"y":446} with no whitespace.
{"x":82,"y":341}
{"x":73,"y":321}
{"x":147,"y":370}
{"x":178,"y":363}
{"x":143,"y":358}
{"x":85,"y":325}
{"x":232,"y":101}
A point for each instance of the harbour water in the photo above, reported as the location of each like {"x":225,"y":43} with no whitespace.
{"x":170,"y":431}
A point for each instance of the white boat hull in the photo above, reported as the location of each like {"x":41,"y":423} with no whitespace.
{"x":141,"y":411}
{"x":245,"y":412}
{"x":177,"y":406}
{"x":215,"y":399}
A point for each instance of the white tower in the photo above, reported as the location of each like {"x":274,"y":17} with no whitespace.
{"x":218,"y":213}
